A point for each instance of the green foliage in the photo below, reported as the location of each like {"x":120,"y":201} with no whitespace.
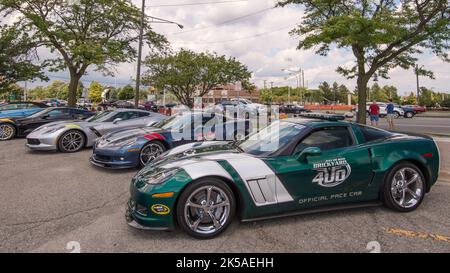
{"x":85,"y":33}
{"x":57,"y":89}
{"x":411,"y":99}
{"x":342,"y":94}
{"x":427,"y":97}
{"x":382,"y":34}
{"x":16,"y":58}
{"x":187,"y":74}
{"x":12,"y":93}
{"x":266,"y":96}
{"x":327,"y":92}
{"x":95,"y":92}
{"x":126,"y":93}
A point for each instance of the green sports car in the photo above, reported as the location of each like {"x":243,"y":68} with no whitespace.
{"x":294,"y":166}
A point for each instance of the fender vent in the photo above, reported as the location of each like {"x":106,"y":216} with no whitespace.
{"x":263,"y":191}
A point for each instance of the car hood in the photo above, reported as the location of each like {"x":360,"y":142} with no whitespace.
{"x":194,"y":151}
{"x":122,"y":136}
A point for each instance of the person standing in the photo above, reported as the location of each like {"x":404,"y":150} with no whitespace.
{"x":390,"y":114}
{"x":374,"y":111}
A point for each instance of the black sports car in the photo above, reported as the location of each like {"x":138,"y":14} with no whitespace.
{"x":292,"y":109}
{"x":20,"y":127}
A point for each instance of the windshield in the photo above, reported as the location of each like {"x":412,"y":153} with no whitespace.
{"x":271,"y":138}
{"x":175,"y":122}
{"x":101,"y":116}
{"x":40,"y":113}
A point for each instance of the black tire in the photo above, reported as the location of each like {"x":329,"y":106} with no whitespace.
{"x":156,"y":143}
{"x":7,"y":131}
{"x":409,"y":115}
{"x":396,"y":114}
{"x":386,"y":194}
{"x":79,"y":143}
{"x":191,"y":189}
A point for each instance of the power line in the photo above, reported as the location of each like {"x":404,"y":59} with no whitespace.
{"x":238,"y":39}
{"x":226,"y":21}
{"x":195,"y":4}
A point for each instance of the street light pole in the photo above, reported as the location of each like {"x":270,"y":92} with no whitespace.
{"x":139,"y":61}
{"x":153,"y":20}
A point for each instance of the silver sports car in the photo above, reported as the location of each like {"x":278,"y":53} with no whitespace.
{"x":72,"y":136}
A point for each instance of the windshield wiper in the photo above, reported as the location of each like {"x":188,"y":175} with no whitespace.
{"x":235,"y":145}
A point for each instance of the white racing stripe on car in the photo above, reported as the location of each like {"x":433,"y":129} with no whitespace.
{"x":261,"y":182}
{"x":206,"y":168}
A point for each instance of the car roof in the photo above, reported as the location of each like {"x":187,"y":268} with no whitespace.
{"x":313,"y":122}
{"x":128,"y":110}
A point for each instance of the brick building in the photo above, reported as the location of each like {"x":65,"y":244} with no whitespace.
{"x":228,"y":92}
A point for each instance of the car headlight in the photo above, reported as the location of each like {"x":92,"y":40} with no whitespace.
{"x":160,"y":177}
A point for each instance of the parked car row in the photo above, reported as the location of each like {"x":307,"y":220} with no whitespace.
{"x":407,"y":111}
{"x":200,"y":169}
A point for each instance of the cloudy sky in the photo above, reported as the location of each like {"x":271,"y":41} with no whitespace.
{"x":257,"y":34}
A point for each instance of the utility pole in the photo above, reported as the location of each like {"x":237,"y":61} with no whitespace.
{"x":139,"y":61}
{"x":25,"y":91}
{"x":303,"y":77}
{"x":418,"y":83}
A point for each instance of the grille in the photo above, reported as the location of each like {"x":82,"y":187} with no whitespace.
{"x":103,"y":158}
{"x":33,"y":141}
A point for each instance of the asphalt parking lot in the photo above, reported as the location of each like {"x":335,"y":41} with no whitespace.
{"x":50,"y":199}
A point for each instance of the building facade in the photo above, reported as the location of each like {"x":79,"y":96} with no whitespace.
{"x":228,"y":92}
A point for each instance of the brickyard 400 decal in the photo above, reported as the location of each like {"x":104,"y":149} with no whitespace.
{"x":332,"y":172}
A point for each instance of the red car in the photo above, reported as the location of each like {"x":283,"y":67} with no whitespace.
{"x":418,"y":109}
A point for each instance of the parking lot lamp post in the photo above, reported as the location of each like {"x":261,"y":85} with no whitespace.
{"x":153,"y":20}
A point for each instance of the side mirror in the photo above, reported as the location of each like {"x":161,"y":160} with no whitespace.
{"x":117,"y":120}
{"x":310,"y":151}
{"x":46,"y":116}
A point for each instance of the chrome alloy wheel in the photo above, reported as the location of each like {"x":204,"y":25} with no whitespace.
{"x":72,"y":141}
{"x":207,"y":210}
{"x":150,"y":153}
{"x":6,"y":132}
{"x":407,"y":187}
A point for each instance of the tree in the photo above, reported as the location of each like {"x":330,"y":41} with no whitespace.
{"x":326,"y":91}
{"x":17,"y":52}
{"x":343,"y":94}
{"x":126,"y":93}
{"x":411,"y":99}
{"x":95,"y":92}
{"x":84,"y":33}
{"x":187,"y":74}
{"x":335,"y":90}
{"x":382,"y":34}
{"x":377,"y":94}
{"x":391,"y":92}
{"x":266,"y":96}
{"x":12,"y":92}
{"x":427,"y":97}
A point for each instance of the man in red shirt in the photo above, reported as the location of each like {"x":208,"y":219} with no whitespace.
{"x":374,"y":111}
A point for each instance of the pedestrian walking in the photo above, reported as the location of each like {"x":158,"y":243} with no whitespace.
{"x":390,"y":115}
{"x":374,"y":111}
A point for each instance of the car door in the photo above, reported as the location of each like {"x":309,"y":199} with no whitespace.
{"x":119,"y":121}
{"x":339,"y":174}
{"x":51,"y":116}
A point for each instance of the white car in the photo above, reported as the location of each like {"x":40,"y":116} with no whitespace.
{"x":249,"y":104}
{"x":399,"y":112}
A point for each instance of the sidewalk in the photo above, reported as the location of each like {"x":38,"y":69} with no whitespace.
{"x":435,"y":114}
